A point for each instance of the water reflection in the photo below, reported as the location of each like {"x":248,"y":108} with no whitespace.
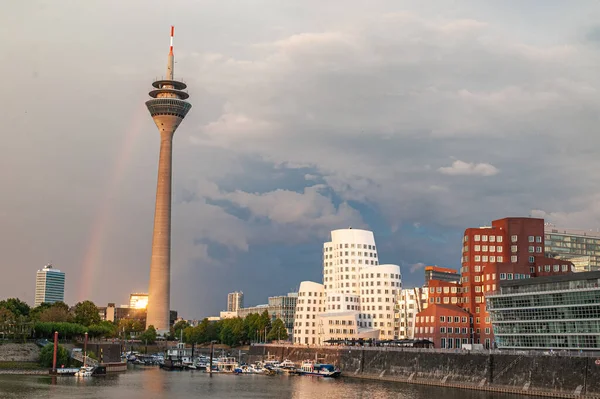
{"x":155,"y":383}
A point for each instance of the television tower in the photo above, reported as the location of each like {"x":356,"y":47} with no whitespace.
{"x":168,"y":109}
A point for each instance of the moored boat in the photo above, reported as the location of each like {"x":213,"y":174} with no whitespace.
{"x":319,"y":370}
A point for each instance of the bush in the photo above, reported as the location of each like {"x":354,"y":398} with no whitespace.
{"x":47,"y":354}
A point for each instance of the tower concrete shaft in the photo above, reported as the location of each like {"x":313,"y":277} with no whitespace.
{"x":167,"y":108}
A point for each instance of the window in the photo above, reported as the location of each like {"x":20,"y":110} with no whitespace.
{"x":499,"y":239}
{"x":499,"y":248}
{"x":484,"y":248}
{"x":532,"y":269}
{"x":538,"y":239}
{"x":484,"y":258}
{"x":509,"y":276}
{"x":532,"y":259}
{"x":477,"y":279}
{"x":442,"y":319}
{"x":500,"y":259}
{"x":484,"y":238}
{"x":492,"y":238}
{"x":513,"y":238}
{"x":565,"y":268}
{"x":538,"y":250}
{"x":442,"y":330}
{"x":502,"y":276}
{"x":531,"y":239}
{"x":477,"y":248}
{"x":513,"y":248}
{"x":492,"y":258}
{"x":477,"y":258}
{"x":513,"y":259}
{"x":556,"y":268}
{"x":531,"y":249}
{"x":477,"y":269}
{"x":477,"y":238}
{"x":547,"y":268}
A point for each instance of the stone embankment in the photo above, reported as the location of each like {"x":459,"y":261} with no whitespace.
{"x":550,"y":376}
{"x":19,"y":353}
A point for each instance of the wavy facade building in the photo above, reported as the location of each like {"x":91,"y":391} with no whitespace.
{"x":357,"y":298}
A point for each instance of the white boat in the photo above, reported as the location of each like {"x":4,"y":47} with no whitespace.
{"x":319,"y":369}
{"x":85,"y":371}
{"x":227,"y":365}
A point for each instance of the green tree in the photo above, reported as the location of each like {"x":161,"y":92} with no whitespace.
{"x":86,"y":313}
{"x":278,"y":331}
{"x":103,"y":329}
{"x":148,"y":336}
{"x":130,"y":326}
{"x":179,"y":327}
{"x":56,"y":314}
{"x":34,"y":314}
{"x":16,"y":306}
{"x":47,"y":355}
{"x":6,"y":316}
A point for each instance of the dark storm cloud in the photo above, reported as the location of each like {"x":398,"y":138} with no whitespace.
{"x":416,"y":121}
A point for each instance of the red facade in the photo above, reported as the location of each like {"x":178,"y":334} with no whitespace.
{"x":509,"y":249}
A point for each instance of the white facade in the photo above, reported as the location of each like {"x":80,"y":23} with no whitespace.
{"x":359,"y":295}
{"x":235,"y":301}
{"x":310,"y":303}
{"x":410,"y":302}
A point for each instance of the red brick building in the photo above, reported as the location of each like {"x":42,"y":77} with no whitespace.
{"x":509,"y":249}
{"x":447,"y":326}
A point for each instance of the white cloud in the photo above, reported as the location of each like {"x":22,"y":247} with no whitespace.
{"x":469,"y":169}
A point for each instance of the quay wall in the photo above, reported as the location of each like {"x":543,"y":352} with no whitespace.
{"x":551,"y":376}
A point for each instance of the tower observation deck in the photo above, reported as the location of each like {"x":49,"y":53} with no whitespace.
{"x":167,"y":108}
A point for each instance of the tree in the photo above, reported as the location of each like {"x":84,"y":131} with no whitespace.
{"x":278,"y":331}
{"x":47,"y":355}
{"x":16,"y":306}
{"x":86,"y":313}
{"x":130,"y":326}
{"x":179,"y":327}
{"x":56,"y":314}
{"x":148,"y":336}
{"x":103,"y":329}
{"x":6,"y":316}
{"x":34,"y":314}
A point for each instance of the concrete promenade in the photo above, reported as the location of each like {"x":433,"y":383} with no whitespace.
{"x":559,"y":376}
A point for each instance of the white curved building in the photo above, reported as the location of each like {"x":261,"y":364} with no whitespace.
{"x":310,"y":303}
{"x":358,"y":294}
{"x":380,"y":288}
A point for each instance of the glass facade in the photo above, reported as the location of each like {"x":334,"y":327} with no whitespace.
{"x":555,"y":312}
{"x":49,"y":286}
{"x":580,"y":247}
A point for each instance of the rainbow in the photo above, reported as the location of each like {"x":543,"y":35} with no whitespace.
{"x":97,"y":234}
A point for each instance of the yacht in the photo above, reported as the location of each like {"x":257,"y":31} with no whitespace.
{"x":85,"y":371}
{"x":319,"y":369}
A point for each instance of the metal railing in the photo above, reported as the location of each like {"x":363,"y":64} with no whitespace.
{"x":89,"y":361}
{"x":517,"y":352}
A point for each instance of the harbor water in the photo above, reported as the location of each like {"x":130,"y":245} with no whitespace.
{"x":153,"y":383}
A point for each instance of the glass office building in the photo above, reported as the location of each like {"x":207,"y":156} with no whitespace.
{"x":49,"y":285}
{"x":578,"y":246}
{"x":553,"y":312}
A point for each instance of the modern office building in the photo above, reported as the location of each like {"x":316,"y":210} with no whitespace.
{"x":442,"y":274}
{"x":410,"y":302}
{"x":49,"y":285}
{"x":553,"y":312}
{"x":581,"y":247}
{"x":235,"y":301}
{"x":284,"y":307}
{"x":509,"y":249}
{"x":357,"y":298}
{"x":167,"y":108}
{"x":138,"y":301}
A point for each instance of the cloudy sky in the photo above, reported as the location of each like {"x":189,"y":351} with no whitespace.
{"x":414,"y":121}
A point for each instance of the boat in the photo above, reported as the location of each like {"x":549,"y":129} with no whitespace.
{"x":85,"y":371}
{"x":228,"y":365}
{"x":319,"y":369}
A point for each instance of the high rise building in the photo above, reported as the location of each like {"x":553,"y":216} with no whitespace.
{"x":357,"y":298}
{"x":138,"y":301}
{"x":167,"y":108}
{"x":49,"y":285}
{"x":235,"y":301}
{"x":284,"y":307}
{"x":509,"y":249}
{"x":581,"y":247}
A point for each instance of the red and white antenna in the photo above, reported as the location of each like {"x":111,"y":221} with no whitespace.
{"x":172,"y":34}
